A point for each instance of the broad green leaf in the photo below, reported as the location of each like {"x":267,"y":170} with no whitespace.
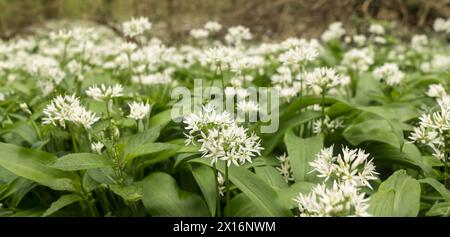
{"x":370,"y":130}
{"x":163,"y":197}
{"x":147,"y":149}
{"x":398,"y":196}
{"x":288,"y":195}
{"x":32,"y":164}
{"x":301,"y":151}
{"x":81,"y":161}
{"x":139,"y":139}
{"x":387,"y":155}
{"x":242,"y":206}
{"x":161,"y":119}
{"x":24,"y":130}
{"x":270,"y":141}
{"x":131,"y":192}
{"x":15,"y":187}
{"x":63,"y":201}
{"x":271,"y":176}
{"x":204,"y":176}
{"x":254,"y":188}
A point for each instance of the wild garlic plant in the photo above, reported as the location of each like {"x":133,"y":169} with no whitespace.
{"x":433,"y":129}
{"x":340,"y":194}
{"x":221,"y":139}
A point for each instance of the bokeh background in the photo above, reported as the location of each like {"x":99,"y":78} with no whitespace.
{"x":173,"y":19}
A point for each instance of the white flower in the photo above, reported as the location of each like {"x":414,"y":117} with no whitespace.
{"x":322,"y":79}
{"x":298,"y":55}
{"x":341,"y":200}
{"x":379,"y":40}
{"x":360,"y":40}
{"x":212,"y":26}
{"x":199,"y":33}
{"x":377,"y":29}
{"x":220,"y":137}
{"x":97,"y":147}
{"x":329,"y":125}
{"x":237,"y":34}
{"x":104,"y":92}
{"x":358,"y":59}
{"x":442,"y":25}
{"x":248,"y":106}
{"x":419,"y":42}
{"x":436,"y":90}
{"x":64,"y":109}
{"x":138,"y":110}
{"x":389,"y":73}
{"x":285,"y":168}
{"x":136,"y":26}
{"x":352,"y":166}
{"x":334,"y":32}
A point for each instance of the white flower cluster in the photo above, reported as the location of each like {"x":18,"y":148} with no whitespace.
{"x":64,"y":109}
{"x":220,"y":137}
{"x":323,"y":78}
{"x":434,"y":127}
{"x":284,"y":82}
{"x":297,"y":56}
{"x":351,"y":166}
{"x":285,"y":168}
{"x":328,"y":125}
{"x":104,"y":92}
{"x":209,"y":28}
{"x":419,"y":42}
{"x":389,"y":73}
{"x":138,"y":110}
{"x":342,"y":199}
{"x":237,"y":35}
{"x":136,"y":27}
{"x":358,"y":59}
{"x":334,"y":32}
{"x":377,"y":29}
{"x":348,"y":172}
{"x":442,"y":25}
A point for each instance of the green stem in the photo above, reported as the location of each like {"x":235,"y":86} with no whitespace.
{"x":323,"y":110}
{"x":227,"y":190}
{"x":72,"y":135}
{"x":218,"y":211}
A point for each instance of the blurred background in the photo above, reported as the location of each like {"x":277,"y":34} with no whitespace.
{"x":273,"y":19}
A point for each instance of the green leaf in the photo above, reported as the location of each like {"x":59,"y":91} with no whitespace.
{"x":439,"y":209}
{"x":132,"y":192}
{"x":371,"y":130}
{"x":301,"y":151}
{"x":254,"y":188}
{"x":163,"y":197}
{"x":409,"y":156}
{"x":139,"y":139}
{"x":147,"y":149}
{"x":270,"y":141}
{"x":398,"y":196}
{"x":32,"y":164}
{"x":63,"y":201}
{"x":81,"y":161}
{"x":24,"y":130}
{"x":271,"y":176}
{"x":439,"y":187}
{"x":161,"y":119}
{"x":205,"y":178}
{"x":242,"y":206}
{"x":288,"y":195}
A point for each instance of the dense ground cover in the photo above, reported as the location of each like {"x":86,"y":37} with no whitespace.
{"x":101,"y":123}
